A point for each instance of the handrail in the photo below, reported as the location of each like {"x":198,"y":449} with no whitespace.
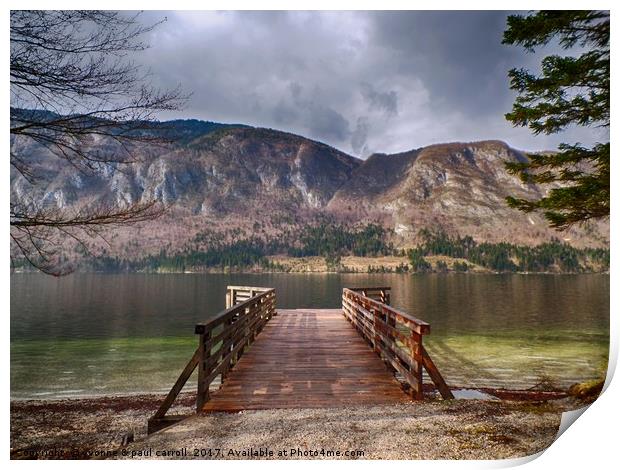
{"x":222,"y":341}
{"x":395,"y":336}
{"x":237,"y":294}
{"x":421,"y":326}
{"x":231,"y":310}
{"x":382,"y":294}
{"x":220,"y":350}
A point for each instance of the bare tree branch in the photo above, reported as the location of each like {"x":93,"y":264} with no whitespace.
{"x":38,"y":233}
{"x":75,"y":93}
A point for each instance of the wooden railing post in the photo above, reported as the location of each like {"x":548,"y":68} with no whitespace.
{"x":228,"y":298}
{"x":416,"y":365}
{"x":376,"y":343}
{"x":202,"y":395}
{"x":250,"y":332}
{"x":227,"y":325}
{"x":385,"y":296}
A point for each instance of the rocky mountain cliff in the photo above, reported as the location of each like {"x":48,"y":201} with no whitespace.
{"x":226,"y":178}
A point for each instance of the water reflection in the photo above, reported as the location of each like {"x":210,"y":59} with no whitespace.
{"x":102,"y":333}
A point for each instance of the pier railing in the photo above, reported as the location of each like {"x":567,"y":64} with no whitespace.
{"x":222,"y":341}
{"x":396,"y":336}
{"x":237,"y":294}
{"x":380,"y":294}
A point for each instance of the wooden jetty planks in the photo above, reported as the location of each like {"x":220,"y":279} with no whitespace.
{"x":307,"y":358}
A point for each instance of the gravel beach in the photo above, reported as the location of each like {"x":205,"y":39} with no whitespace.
{"x":456,"y":429}
{"x":75,"y":428}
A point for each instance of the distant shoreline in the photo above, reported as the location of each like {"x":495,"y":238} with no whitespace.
{"x":230,"y":272}
{"x":439,"y":254}
{"x":344,"y":265}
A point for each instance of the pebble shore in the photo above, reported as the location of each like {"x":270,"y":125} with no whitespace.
{"x":456,"y":429}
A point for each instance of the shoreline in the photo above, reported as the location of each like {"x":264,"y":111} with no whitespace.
{"x":74,"y":428}
{"x":449,"y":273}
{"x":497,"y":392}
{"x":350,"y":264}
{"x":71,"y":427}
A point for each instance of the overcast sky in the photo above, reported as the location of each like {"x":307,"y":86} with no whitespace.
{"x":363,"y":82}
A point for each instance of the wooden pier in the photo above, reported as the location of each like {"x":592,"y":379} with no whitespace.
{"x":365,"y":353}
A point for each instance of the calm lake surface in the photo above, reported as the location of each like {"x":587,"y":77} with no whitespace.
{"x":95,"y":334}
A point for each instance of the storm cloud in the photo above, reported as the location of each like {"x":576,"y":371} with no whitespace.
{"x":363,"y":82}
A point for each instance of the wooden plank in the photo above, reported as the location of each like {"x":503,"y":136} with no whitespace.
{"x":307,"y":358}
{"x":390,"y":331}
{"x":361,"y":318}
{"x":357,"y":289}
{"x":249,"y":288}
{"x":409,"y":377}
{"x":311,"y":357}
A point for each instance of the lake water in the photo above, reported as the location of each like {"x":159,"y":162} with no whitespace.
{"x":95,"y":334}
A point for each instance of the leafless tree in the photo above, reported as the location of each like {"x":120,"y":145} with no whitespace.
{"x":73,"y":85}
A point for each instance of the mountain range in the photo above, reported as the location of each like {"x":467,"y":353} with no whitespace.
{"x":241,"y":181}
